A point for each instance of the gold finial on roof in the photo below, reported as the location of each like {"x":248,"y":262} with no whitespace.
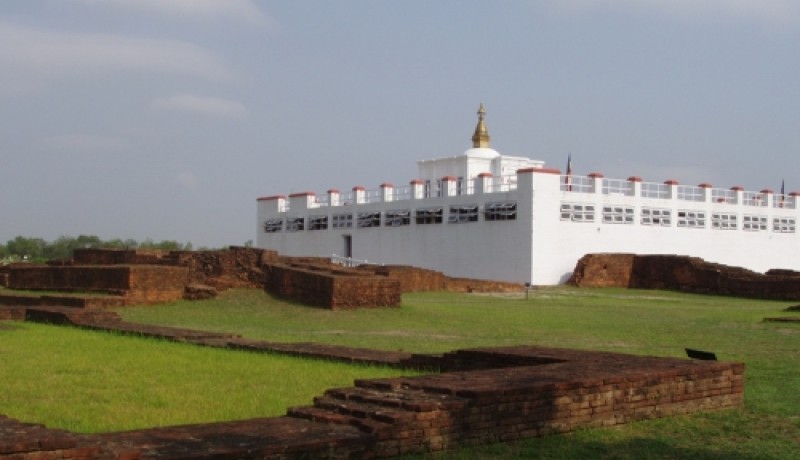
{"x":481,"y":137}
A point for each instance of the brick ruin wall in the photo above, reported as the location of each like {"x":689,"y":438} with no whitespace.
{"x":159,"y":276}
{"x":333,"y":288}
{"x":411,"y":279}
{"x":414,"y":279}
{"x":92,"y":256}
{"x":138,"y":283}
{"x":683,"y":273}
{"x":87,"y":279}
{"x":473,"y":285}
{"x":524,"y":392}
{"x":156,"y":284}
{"x":518,"y":402}
{"x":236,"y":267}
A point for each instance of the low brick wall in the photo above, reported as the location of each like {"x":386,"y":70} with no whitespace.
{"x":87,"y":278}
{"x":412,"y":279}
{"x":558,"y":391}
{"x":577,"y":390}
{"x":683,"y":273}
{"x":331,"y":287}
{"x":482,"y":396}
{"x":90,"y":256}
{"x":155,"y":284}
{"x":91,"y":302}
{"x":473,"y":285}
{"x":236,"y":267}
{"x":137,"y":283}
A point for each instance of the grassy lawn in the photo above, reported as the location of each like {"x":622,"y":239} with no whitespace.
{"x":87,"y":381}
{"x":638,"y":322}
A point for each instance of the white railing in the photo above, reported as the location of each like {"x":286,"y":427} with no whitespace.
{"x":655,"y":190}
{"x":580,"y":184}
{"x":691,"y":193}
{"x":373,"y":196}
{"x":349,"y":261}
{"x":567,"y":183}
{"x":504,"y":184}
{"x":721,"y":195}
{"x":754,"y":199}
{"x":784,"y":201}
{"x":402,"y":193}
{"x":617,"y":187}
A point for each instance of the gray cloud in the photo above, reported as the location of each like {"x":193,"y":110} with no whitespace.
{"x":201,"y":104}
{"x":770,"y":12}
{"x":31,"y":57}
{"x":240,"y":10}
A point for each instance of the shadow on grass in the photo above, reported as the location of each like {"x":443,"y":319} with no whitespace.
{"x":567,"y":447}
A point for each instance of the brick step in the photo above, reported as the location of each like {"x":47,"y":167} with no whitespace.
{"x":362,"y":410}
{"x":161,"y":332}
{"x":407,"y":399}
{"x":15,"y":298}
{"x":381,"y":430}
{"x":266,"y":438}
{"x":12,"y":314}
{"x":69,"y":315}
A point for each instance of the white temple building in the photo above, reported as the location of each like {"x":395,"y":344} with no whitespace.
{"x":486,"y":215}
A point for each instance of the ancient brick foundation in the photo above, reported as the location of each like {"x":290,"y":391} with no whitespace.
{"x":236,"y":267}
{"x":91,"y":256}
{"x":136,"y":283}
{"x":331,"y":287}
{"x":481,"y":396}
{"x":316,"y":280}
{"x":683,"y":273}
{"x":411,"y":279}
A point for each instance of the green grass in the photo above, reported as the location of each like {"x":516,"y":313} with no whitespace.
{"x":88,"y":381}
{"x":638,"y":322}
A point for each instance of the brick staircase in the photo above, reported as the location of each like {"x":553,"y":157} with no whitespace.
{"x":401,"y":420}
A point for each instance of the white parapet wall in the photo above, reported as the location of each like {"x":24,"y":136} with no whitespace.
{"x":533,"y":226}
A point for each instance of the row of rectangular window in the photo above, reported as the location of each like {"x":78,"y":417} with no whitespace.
{"x":398,"y":217}
{"x":577,"y":212}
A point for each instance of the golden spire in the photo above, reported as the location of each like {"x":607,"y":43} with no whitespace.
{"x":481,"y":137}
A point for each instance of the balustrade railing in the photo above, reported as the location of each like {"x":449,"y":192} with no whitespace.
{"x":721,"y":195}
{"x":567,"y":183}
{"x":617,"y":187}
{"x":580,"y":184}
{"x":754,"y":199}
{"x":655,"y":190}
{"x":691,"y":193}
{"x":784,"y":201}
{"x":349,"y":261}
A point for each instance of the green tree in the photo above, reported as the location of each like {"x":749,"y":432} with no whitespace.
{"x":27,"y":248}
{"x":89,"y":241}
{"x":61,"y":248}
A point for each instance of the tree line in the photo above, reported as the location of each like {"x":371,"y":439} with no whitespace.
{"x":39,"y":250}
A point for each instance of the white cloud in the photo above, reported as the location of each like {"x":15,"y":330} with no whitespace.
{"x":771,"y":12}
{"x":201,"y":104}
{"x":31,"y":57}
{"x":187,"y":180}
{"x":240,"y":10}
{"x":87,"y":143}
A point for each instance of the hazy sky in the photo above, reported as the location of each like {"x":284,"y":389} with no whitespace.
{"x":166,"y":119}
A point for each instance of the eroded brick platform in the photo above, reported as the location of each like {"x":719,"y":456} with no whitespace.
{"x":481,"y":396}
{"x":683,"y":273}
{"x":331,"y":286}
